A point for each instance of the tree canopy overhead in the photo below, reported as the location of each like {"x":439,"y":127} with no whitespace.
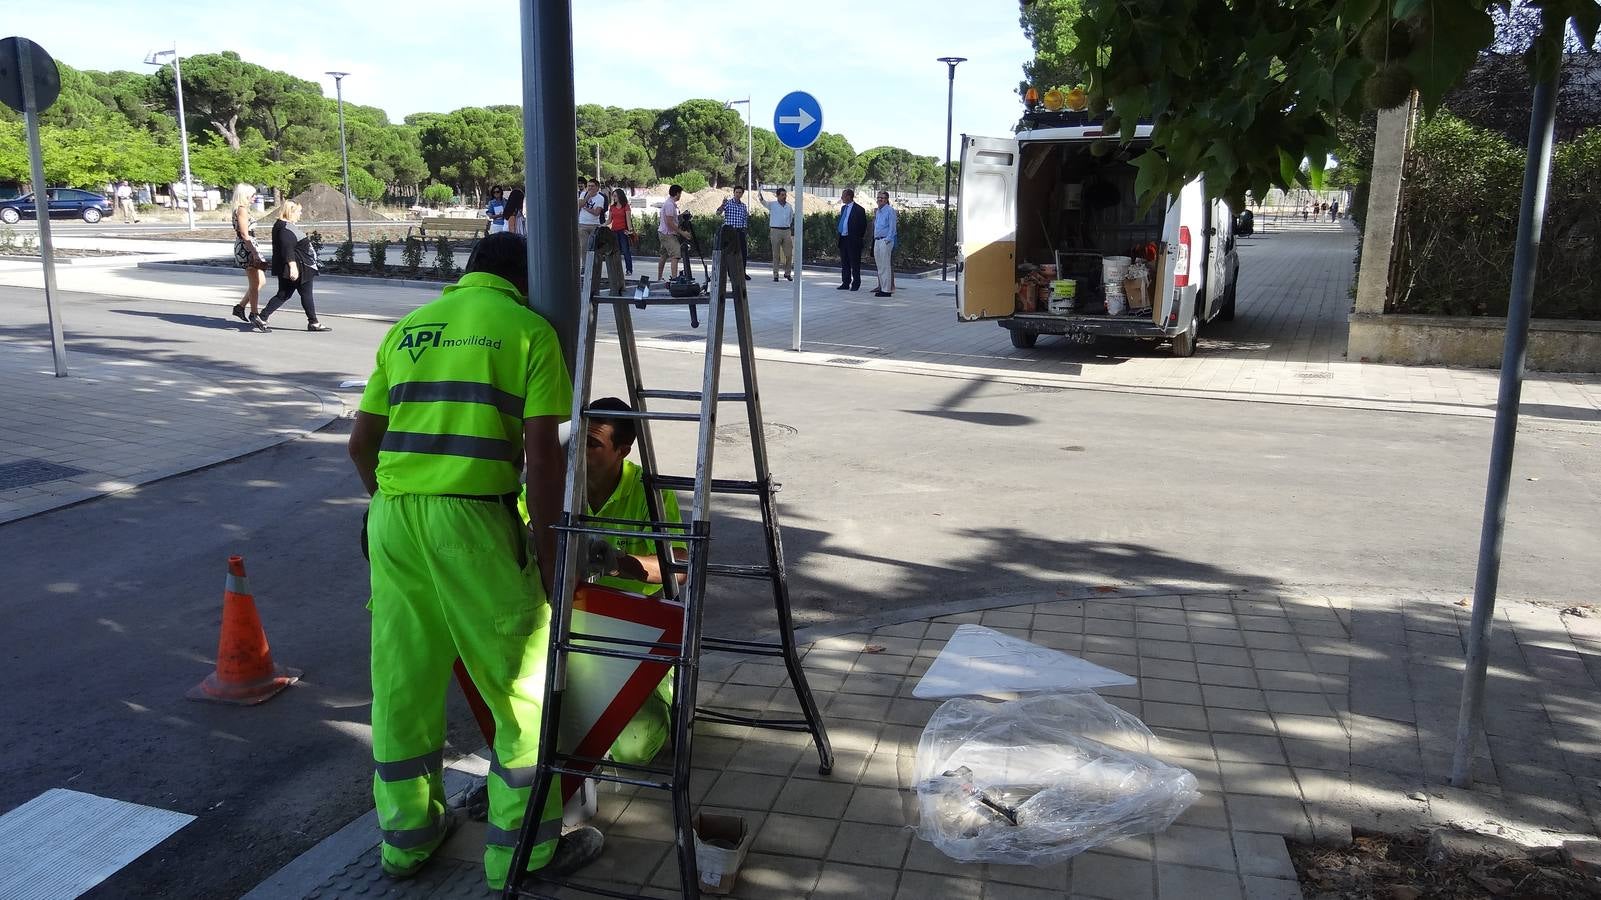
{"x":1242,"y":91}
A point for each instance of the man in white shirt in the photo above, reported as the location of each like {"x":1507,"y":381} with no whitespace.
{"x":125,"y":203}
{"x":591,"y":215}
{"x":781,"y":233}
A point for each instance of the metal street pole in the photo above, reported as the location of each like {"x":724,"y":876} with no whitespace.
{"x":550,"y":157}
{"x":750,"y":147}
{"x":951,"y":62}
{"x":1531,"y":217}
{"x":41,"y":202}
{"x":800,"y":246}
{"x":344,"y":157}
{"x":183,"y":127}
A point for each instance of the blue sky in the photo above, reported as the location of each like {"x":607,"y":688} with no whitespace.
{"x":877,"y":79}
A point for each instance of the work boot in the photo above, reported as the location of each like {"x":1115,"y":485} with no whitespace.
{"x":576,"y":849}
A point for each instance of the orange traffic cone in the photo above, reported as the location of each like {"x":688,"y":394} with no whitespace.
{"x":245,"y":674}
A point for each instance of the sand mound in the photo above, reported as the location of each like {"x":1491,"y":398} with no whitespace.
{"x":324,"y":203}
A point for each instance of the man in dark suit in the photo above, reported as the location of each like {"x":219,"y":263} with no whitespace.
{"x":852,"y":228}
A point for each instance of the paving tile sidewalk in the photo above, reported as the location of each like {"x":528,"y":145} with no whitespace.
{"x":116,"y":423}
{"x":1302,"y":713}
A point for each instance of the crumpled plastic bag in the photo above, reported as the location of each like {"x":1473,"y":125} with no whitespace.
{"x":1041,"y":779}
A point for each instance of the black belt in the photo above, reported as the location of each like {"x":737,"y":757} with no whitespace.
{"x":781,"y":228}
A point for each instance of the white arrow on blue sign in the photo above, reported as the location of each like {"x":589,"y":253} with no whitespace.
{"x":798,"y":120}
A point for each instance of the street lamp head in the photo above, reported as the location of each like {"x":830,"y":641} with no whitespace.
{"x":337,"y":75}
{"x":159,"y":57}
{"x":952,"y":61}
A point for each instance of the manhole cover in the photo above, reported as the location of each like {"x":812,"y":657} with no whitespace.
{"x":33,"y":471}
{"x":1038,"y":389}
{"x":845,"y":360}
{"x":682,"y":337}
{"x":740,"y":433}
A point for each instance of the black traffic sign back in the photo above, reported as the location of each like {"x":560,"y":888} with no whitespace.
{"x":46,"y":79}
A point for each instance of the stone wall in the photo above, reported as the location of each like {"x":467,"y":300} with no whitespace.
{"x":1555,"y":345}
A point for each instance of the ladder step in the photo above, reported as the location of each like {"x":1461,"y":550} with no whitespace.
{"x":718,"y":485}
{"x":677,"y":649}
{"x":644,"y":414}
{"x":752,"y":648}
{"x":753,"y":721}
{"x":759,"y":572}
{"x":692,"y":396}
{"x":647,"y":523}
{"x":653,"y":300}
{"x":607,"y":776}
{"x":631,"y":533}
{"x":637,"y":656}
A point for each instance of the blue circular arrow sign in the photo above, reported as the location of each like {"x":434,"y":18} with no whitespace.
{"x":798,"y":120}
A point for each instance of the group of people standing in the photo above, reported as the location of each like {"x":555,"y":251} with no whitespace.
{"x":293,"y":262}
{"x":852,"y":231}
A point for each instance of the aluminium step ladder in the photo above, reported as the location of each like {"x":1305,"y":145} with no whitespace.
{"x":726,"y":288}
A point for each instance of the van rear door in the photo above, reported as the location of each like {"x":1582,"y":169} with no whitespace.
{"x":986,"y":229}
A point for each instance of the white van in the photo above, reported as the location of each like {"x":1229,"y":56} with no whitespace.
{"x":1045,"y":198}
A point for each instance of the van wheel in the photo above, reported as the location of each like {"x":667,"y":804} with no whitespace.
{"x":1225,"y":313}
{"x":1023,"y":340}
{"x":1184,"y":344}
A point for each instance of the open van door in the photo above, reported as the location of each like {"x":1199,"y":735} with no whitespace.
{"x":986,"y":229}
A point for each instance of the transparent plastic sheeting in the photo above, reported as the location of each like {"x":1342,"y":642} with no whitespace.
{"x":1041,"y":779}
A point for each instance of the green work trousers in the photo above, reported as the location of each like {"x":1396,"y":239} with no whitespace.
{"x":647,"y":732}
{"x":446,"y":583}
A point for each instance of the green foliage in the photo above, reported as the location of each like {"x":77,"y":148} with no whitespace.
{"x":1244,"y":92}
{"x":1048,"y":24}
{"x":378,"y":255}
{"x":437,"y":195}
{"x":472,"y":148}
{"x":363,"y":186}
{"x":345,"y":255}
{"x":216,"y":163}
{"x":894,"y":168}
{"x":218,"y":89}
{"x":623,"y":160}
{"x":832,"y":160}
{"x":1458,"y":224}
{"x":701,"y":136}
{"x":444,"y":257}
{"x":8,"y":239}
{"x":316,"y":242}
{"x":690,"y":181}
{"x":411,"y":255}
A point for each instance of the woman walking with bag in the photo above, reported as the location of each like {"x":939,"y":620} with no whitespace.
{"x":246,"y":255}
{"x":294,"y":261}
{"x":516,"y":222}
{"x":617,"y":216}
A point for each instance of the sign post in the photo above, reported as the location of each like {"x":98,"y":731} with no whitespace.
{"x":798,"y":122}
{"x":29,"y":83}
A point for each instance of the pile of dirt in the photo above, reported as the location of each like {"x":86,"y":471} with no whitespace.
{"x":1386,"y":867}
{"x":324,"y":203}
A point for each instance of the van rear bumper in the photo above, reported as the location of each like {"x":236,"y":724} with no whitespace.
{"x":1107,"y":326}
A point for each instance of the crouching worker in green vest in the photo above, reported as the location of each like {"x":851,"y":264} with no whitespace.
{"x":627,"y":564}
{"x":466,"y":389}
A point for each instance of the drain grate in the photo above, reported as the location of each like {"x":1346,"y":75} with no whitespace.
{"x":681,"y":337}
{"x":33,"y":471}
{"x":845,"y":360}
{"x":1038,"y":389}
{"x":1314,"y":374}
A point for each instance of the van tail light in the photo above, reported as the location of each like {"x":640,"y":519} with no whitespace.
{"x":1181,"y":275}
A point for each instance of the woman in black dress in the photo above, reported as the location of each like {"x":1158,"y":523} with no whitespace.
{"x":294,"y":261}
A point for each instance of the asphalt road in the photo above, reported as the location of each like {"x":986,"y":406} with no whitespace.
{"x":899,"y":491}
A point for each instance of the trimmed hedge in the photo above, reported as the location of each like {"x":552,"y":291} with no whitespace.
{"x":1459,"y":209}
{"x":918,"y":248}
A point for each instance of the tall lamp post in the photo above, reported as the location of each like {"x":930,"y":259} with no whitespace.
{"x":344,"y":157}
{"x":951,"y":62}
{"x":750,"y":144}
{"x":158,"y":58}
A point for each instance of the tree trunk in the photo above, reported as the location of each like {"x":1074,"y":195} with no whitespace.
{"x":228,"y":131}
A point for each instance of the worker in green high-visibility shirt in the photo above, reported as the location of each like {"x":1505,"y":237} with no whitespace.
{"x":467,"y":390}
{"x":626,"y":564}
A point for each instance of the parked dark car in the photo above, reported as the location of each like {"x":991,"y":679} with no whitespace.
{"x":65,"y":203}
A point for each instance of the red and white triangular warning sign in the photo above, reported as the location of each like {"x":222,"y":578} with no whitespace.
{"x":604,"y":693}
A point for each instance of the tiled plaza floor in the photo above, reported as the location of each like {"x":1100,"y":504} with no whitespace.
{"x":1302,"y":714}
